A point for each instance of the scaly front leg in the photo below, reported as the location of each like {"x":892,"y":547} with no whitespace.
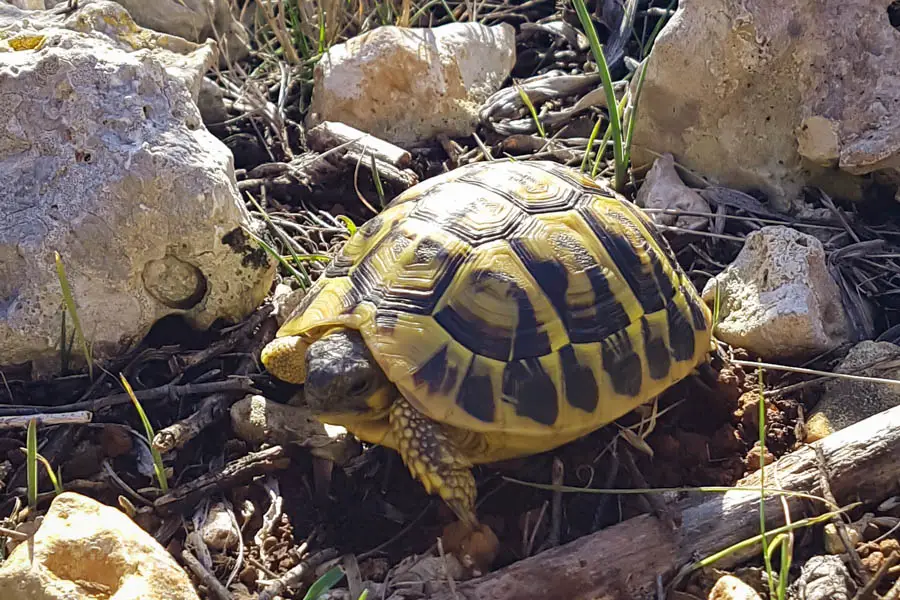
{"x":434,"y":459}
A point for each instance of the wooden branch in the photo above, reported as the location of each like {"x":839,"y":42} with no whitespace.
{"x":233,"y":474}
{"x":331,"y":134}
{"x":623,"y":561}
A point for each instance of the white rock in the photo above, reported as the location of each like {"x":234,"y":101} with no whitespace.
{"x":113,"y":169}
{"x":729,"y":587}
{"x":406,"y":85}
{"x":193,"y":20}
{"x":86,"y":550}
{"x":773,"y":94}
{"x":663,"y":189}
{"x":220,"y":531}
{"x":824,"y":578}
{"x":777,"y":298}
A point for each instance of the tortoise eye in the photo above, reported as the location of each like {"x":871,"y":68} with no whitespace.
{"x":359,"y":387}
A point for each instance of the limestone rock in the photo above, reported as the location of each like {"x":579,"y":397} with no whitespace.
{"x":777,"y":298}
{"x":782,"y":94}
{"x":729,"y":587}
{"x":824,"y":578}
{"x":113,"y":169}
{"x":407,"y":85}
{"x":846,"y":402}
{"x":86,"y":550}
{"x":193,"y":20}
{"x":663,"y":189}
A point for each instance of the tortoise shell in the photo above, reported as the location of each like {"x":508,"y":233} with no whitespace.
{"x":520,"y":298}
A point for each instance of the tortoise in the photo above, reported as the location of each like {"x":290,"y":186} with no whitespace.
{"x":497,"y":310}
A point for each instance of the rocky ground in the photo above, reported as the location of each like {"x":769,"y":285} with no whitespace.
{"x":765,"y":146}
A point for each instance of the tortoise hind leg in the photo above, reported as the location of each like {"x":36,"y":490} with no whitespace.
{"x":435,"y":459}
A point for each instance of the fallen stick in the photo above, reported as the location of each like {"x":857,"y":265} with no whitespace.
{"x":623,"y":561}
{"x":46,"y":420}
{"x":158,"y":393}
{"x":330,"y":134}
{"x":233,"y":474}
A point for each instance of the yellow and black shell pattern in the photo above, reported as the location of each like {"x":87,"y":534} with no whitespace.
{"x":514,"y":297}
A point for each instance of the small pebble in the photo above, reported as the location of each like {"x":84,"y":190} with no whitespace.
{"x":729,"y":587}
{"x":218,"y":532}
{"x":833,"y":543}
{"x":753,"y":458}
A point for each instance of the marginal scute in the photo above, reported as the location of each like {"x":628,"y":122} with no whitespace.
{"x":581,"y":389}
{"x":699,"y":311}
{"x":622,"y":365}
{"x":529,"y":388}
{"x":476,"y":393}
{"x":658,"y":357}
{"x":681,"y":334}
{"x":436,"y":374}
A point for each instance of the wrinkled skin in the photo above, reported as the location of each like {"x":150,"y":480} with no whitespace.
{"x":342,"y":376}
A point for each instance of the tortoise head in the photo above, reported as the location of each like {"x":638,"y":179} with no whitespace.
{"x":341,"y":378}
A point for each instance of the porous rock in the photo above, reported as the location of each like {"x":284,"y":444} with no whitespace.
{"x":845,"y":402}
{"x":729,"y":587}
{"x":824,"y":578}
{"x":407,"y":85}
{"x":113,"y":169}
{"x":86,"y":550}
{"x":193,"y":20}
{"x":781,"y":94}
{"x":663,"y":189}
{"x":777,"y":299}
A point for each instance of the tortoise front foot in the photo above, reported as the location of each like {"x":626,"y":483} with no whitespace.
{"x":432,"y":458}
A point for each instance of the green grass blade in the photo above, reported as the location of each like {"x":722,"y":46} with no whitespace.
{"x":377,"y":178}
{"x":51,"y":474}
{"x":762,"y":485}
{"x":629,"y":136}
{"x":590,"y":144}
{"x":31,"y":463}
{"x":324,"y":583}
{"x":70,"y":306}
{"x":158,"y":466}
{"x":645,"y":47}
{"x":348,"y":222}
{"x":614,"y":120}
{"x":532,"y":110}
